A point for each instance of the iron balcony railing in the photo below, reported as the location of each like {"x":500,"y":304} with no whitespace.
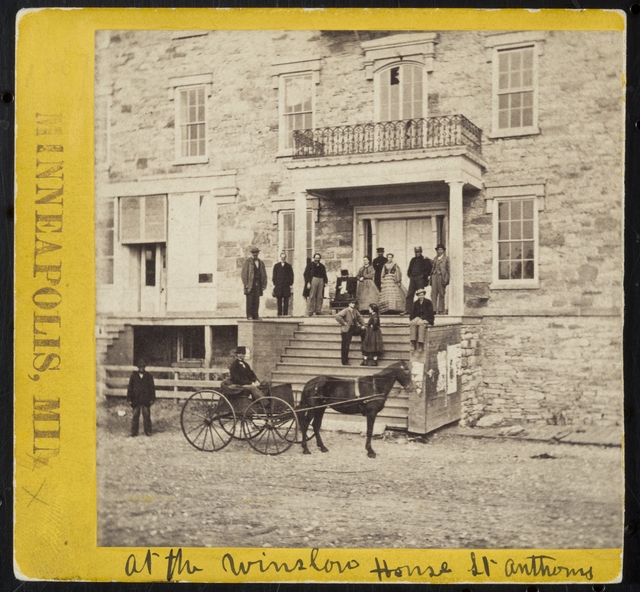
{"x":388,"y":136}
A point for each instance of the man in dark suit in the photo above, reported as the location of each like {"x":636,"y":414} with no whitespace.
{"x":418,"y":272}
{"x":378,"y":264}
{"x":282,"y":282}
{"x":242,"y":375}
{"x":254,"y":280}
{"x":351,"y":322}
{"x":421,"y":316}
{"x":141,"y":394}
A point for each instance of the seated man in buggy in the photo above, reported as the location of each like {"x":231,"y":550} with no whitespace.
{"x":241,"y":375}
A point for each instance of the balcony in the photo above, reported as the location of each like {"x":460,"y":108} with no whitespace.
{"x":389,"y":136}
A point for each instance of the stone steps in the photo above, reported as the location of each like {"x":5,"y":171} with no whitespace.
{"x":315,"y":351}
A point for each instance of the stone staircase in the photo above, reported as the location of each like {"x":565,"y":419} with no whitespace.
{"x":315,"y":350}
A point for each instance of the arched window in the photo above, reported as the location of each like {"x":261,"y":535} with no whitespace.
{"x":401,"y":92}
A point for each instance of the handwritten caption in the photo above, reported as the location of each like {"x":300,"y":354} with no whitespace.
{"x":482,"y":567}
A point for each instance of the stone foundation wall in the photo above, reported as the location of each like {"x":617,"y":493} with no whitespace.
{"x":561,"y":371}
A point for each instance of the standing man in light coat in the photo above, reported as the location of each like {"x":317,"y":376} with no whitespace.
{"x":352,"y":323}
{"x":254,"y":280}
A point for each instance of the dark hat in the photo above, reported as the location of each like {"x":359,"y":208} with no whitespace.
{"x":417,"y":248}
{"x":380,"y":250}
{"x":421,"y":292}
{"x":440,"y":246}
{"x":241,"y":349}
{"x":254,"y":250}
{"x":141,"y":363}
{"x":344,"y":272}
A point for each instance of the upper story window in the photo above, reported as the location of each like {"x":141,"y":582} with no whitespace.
{"x":192,"y":122}
{"x":190,"y":94}
{"x":515,"y":82}
{"x":298,"y":106}
{"x":295,"y":81}
{"x":401,"y":93}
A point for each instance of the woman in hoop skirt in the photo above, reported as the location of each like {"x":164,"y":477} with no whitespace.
{"x":372,"y":345}
{"x":393,"y":295}
{"x":367,"y":291}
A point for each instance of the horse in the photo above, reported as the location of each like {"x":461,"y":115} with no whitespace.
{"x":342,"y":395}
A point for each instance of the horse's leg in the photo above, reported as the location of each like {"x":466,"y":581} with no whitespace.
{"x":317,"y":424}
{"x":371,"y":419}
{"x":304,"y":418}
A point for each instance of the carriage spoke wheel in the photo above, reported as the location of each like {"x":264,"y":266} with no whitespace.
{"x":208,"y":421}
{"x":270,"y":425}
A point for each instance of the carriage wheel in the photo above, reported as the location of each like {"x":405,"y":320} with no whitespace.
{"x":208,"y":421}
{"x":270,"y":425}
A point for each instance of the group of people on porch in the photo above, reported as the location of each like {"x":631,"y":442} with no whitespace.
{"x":378,"y":282}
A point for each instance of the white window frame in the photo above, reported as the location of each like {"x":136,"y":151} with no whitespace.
{"x":497,"y":195}
{"x":509,"y":42}
{"x":143,"y":239}
{"x":189,"y":83}
{"x":313,"y":213}
{"x":293,"y":69}
{"x":377,"y":88}
{"x":108,"y":260}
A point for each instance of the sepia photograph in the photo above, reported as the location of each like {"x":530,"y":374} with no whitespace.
{"x":359,"y":289}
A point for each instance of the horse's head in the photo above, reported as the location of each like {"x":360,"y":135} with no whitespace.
{"x":404,"y":374}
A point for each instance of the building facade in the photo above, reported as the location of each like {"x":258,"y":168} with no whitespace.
{"x":504,"y":146}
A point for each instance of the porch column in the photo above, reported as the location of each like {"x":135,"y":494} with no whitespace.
{"x":300,"y":253}
{"x":456,"y":249}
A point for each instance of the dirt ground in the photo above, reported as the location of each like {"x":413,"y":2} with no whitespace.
{"x":448,"y":491}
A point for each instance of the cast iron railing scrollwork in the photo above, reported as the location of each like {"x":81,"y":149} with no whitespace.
{"x":388,"y":136}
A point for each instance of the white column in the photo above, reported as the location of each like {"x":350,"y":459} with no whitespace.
{"x":456,"y":249}
{"x":300,"y":258}
{"x":208,"y":346}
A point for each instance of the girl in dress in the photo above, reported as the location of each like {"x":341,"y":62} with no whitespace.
{"x":367,"y":292}
{"x":393,"y":295}
{"x":372,"y":345}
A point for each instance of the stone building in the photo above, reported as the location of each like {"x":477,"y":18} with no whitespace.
{"x":504,"y":146}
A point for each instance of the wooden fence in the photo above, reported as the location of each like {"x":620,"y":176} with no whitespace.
{"x":171,"y":382}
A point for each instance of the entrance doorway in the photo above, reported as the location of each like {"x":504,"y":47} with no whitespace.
{"x":153,"y":266}
{"x":399,"y":229}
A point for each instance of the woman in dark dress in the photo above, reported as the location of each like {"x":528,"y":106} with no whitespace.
{"x":372,"y":345}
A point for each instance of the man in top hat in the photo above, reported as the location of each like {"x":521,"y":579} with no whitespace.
{"x":141,"y":394}
{"x":282,"y":282}
{"x":242,"y":375}
{"x":419,"y":272}
{"x":439,"y":279}
{"x":254,"y":280}
{"x":421,"y":316}
{"x":378,"y":264}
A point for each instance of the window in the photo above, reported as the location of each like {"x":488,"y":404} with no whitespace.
{"x":143,"y":219}
{"x":298,"y":107}
{"x":190,"y":94}
{"x":105,"y":246}
{"x":515,"y":82}
{"x":192,"y":122}
{"x":288,"y":234}
{"x":295,"y":81}
{"x":190,"y":344}
{"x":515,"y":262}
{"x":401,"y":93}
{"x":515,"y":88}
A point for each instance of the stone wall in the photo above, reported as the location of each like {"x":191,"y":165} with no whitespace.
{"x":555,"y":370}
